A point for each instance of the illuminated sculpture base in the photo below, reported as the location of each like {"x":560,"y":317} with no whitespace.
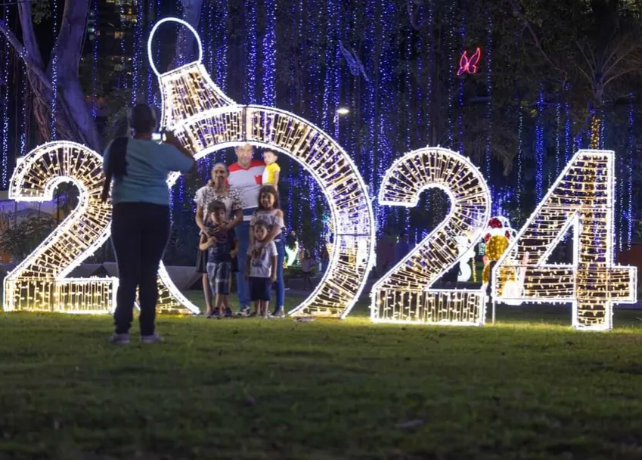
{"x":445,"y":307}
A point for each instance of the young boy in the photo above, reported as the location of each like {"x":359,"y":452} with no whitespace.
{"x":260,"y":269}
{"x":272,"y":170}
{"x":221,"y":247}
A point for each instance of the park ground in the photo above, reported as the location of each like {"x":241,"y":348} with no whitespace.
{"x":528,"y":387}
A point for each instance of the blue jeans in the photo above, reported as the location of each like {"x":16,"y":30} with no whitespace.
{"x":242,"y":289}
{"x":280,"y":282}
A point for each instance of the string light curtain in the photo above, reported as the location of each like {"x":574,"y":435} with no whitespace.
{"x":5,"y":91}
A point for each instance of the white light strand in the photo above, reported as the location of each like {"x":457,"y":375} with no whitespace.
{"x":405,"y":294}
{"x":39,"y":282}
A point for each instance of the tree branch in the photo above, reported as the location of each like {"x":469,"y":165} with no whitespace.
{"x":27,"y":57}
{"x":520,"y":14}
{"x":28,"y":34}
{"x":70,"y":39}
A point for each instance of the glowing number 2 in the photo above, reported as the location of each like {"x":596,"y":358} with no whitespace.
{"x":581,"y":199}
{"x":404,"y":294}
{"x":39,"y":283}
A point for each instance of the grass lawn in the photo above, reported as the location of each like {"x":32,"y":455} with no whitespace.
{"x":527,"y":388}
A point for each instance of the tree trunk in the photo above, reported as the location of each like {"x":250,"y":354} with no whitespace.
{"x":73,"y":117}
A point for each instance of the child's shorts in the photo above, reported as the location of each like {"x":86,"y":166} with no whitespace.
{"x":219,"y":275}
{"x":260,"y":289}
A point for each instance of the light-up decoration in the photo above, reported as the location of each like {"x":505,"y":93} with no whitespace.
{"x":40,"y":283}
{"x":205,"y":120}
{"x":405,"y":294}
{"x":291,"y":254}
{"x":469,"y":64}
{"x":581,"y":199}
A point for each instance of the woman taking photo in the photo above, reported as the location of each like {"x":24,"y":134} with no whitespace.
{"x":140,"y":222}
{"x":217,"y":189}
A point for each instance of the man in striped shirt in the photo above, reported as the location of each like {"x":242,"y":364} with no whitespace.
{"x":246,"y":178}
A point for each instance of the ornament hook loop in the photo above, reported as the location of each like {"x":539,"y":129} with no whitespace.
{"x":153,"y":32}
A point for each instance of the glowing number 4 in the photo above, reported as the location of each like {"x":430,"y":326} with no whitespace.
{"x":581,"y":199}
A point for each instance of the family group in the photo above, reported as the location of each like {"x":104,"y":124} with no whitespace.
{"x":238,"y":215}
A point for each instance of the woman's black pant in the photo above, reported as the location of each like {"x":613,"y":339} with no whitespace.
{"x":139,"y":233}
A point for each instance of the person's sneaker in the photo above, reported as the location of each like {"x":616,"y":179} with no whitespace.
{"x":243,"y":311}
{"x":228,"y":313}
{"x":215,"y":314}
{"x":119,"y":339}
{"x":278,"y":313}
{"x":154,"y":338}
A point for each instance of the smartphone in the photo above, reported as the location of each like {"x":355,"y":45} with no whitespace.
{"x":159,"y":137}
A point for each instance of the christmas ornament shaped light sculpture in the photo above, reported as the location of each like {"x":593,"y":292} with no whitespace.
{"x":581,"y":199}
{"x":405,"y":294}
{"x":205,"y":120}
{"x":40,"y":283}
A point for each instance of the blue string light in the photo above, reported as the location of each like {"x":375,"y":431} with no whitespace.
{"x":568,"y":142}
{"x":631,"y":142}
{"x":520,"y":171}
{"x":336,"y":73}
{"x":460,"y":116}
{"x":539,"y":148}
{"x":221,"y":55}
{"x":5,"y":106}
{"x":450,"y":50}
{"x":138,"y":49}
{"x":151,"y":21}
{"x":489,"y":106}
{"x":388,"y":59}
{"x":54,"y":71}
{"x":291,"y":106}
{"x":94,"y":61}
{"x":409,"y":117}
{"x":558,"y":139}
{"x":122,"y":76}
{"x":327,"y":113}
{"x":422,"y":116}
{"x":269,"y":54}
{"x":251,"y":51}
{"x":314,"y":77}
{"x":369,"y":104}
{"x":24,"y":118}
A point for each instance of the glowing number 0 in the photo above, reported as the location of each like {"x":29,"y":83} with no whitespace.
{"x":404,"y":294}
{"x":39,"y":283}
{"x":205,"y":120}
{"x":581,"y":199}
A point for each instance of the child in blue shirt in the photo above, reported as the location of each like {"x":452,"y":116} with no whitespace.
{"x":221,"y":247}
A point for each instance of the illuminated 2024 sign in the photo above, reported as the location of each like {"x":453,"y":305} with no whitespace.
{"x":205,"y":120}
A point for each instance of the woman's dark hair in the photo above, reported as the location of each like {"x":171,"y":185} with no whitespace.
{"x":272,"y":191}
{"x":142,"y":118}
{"x":215,"y":206}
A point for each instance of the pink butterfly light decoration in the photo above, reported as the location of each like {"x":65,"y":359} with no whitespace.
{"x":469,"y":64}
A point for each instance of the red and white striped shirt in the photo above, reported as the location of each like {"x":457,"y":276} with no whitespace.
{"x":247,"y":182}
